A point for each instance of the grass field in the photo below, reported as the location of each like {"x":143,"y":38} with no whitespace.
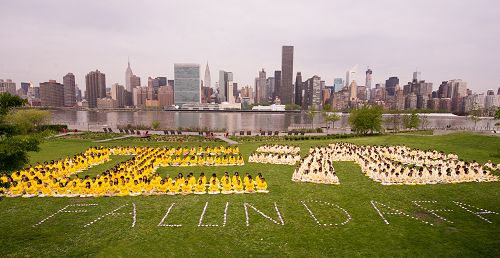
{"x":65,"y":234}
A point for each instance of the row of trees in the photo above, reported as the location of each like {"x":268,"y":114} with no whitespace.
{"x":19,"y":132}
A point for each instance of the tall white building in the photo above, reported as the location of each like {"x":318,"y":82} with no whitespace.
{"x":208,"y":80}
{"x":128,"y":76}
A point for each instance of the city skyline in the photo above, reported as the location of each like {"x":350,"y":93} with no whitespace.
{"x":454,"y":41}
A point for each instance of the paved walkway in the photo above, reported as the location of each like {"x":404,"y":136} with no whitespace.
{"x":226,"y":139}
{"x":64,"y":134}
{"x":116,"y":138}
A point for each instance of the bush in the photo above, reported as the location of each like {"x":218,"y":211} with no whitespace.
{"x":56,"y":128}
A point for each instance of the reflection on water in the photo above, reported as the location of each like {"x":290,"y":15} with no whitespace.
{"x":231,"y":121}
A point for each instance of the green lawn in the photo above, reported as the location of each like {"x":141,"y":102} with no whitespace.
{"x":65,"y":234}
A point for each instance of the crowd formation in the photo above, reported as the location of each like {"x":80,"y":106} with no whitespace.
{"x":317,"y":167}
{"x":135,"y":176}
{"x":401,"y":165}
{"x":279,"y":149}
{"x":276,"y":154}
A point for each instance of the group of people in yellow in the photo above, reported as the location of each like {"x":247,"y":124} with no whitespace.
{"x":110,"y":185}
{"x":135,"y":176}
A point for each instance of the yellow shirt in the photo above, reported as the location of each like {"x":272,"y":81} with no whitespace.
{"x":200,"y":187}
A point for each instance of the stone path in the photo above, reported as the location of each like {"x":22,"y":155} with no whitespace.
{"x":116,"y":138}
{"x":226,"y":139}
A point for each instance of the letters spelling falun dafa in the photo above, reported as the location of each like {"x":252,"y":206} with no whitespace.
{"x":336,"y":152}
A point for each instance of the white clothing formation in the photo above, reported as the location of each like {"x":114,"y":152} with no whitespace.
{"x":276,"y":154}
{"x":402,"y":165}
{"x":279,"y":149}
{"x":317,"y":167}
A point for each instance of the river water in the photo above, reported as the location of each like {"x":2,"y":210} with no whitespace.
{"x":234,"y":121}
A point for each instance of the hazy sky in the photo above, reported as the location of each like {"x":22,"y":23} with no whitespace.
{"x":445,"y":39}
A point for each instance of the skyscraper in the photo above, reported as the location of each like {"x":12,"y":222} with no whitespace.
{"x":128,"y":77}
{"x":368,"y":83}
{"x":7,"y":86}
{"x":95,"y":83}
{"x":390,"y":85}
{"x":350,"y":76}
{"x":298,"y":89}
{"x":225,"y":84}
{"x":51,"y":94}
{"x":286,"y":90}
{"x":208,"y":80}
{"x":313,"y":93}
{"x":353,"y":91}
{"x":338,"y":84}
{"x":118,"y":94}
{"x":25,"y":86}
{"x":417,"y":76}
{"x":277,"y":83}
{"x":69,"y":90}
{"x":187,"y":84}
{"x":260,"y":88}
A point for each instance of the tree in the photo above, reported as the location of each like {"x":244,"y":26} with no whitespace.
{"x":292,"y":107}
{"x":424,"y":121}
{"x":27,"y":120}
{"x":311,"y":113}
{"x":394,"y":120}
{"x":497,"y":113}
{"x":331,"y":118}
{"x":155,"y":124}
{"x":367,"y":119}
{"x":475,"y":115}
{"x":411,"y":121}
{"x":8,"y":101}
{"x":14,"y":148}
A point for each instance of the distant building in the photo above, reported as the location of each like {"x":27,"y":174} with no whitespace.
{"x":95,"y":83}
{"x":260,"y":88}
{"x":298,"y":89}
{"x":24,"y":87}
{"x":225,"y":86}
{"x":286,"y":90}
{"x":166,"y":96}
{"x":187,"y":84}
{"x":208,"y":79}
{"x":69,"y":90}
{"x":118,"y":94}
{"x":277,"y":83}
{"x":139,"y":96}
{"x":338,"y":84}
{"x":51,"y":94}
{"x":353,"y":89}
{"x":7,"y":86}
{"x":390,"y":86}
{"x":106,"y":103}
{"x":313,"y":91}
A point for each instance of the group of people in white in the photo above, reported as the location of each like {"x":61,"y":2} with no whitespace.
{"x":276,"y":154}
{"x":279,"y":149}
{"x":317,"y":167}
{"x":402,"y":165}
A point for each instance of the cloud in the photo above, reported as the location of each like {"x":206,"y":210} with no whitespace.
{"x":445,"y":39}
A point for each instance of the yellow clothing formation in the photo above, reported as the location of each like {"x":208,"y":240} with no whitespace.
{"x":58,"y":177}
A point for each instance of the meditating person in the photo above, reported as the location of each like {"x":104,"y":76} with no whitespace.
{"x":250,"y":185}
{"x":200,"y":187}
{"x":238,"y":186}
{"x":227,"y":188}
{"x":174,"y":188}
{"x":187,"y":188}
{"x":213,"y":188}
{"x":262,"y":185}
{"x":135,"y":189}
